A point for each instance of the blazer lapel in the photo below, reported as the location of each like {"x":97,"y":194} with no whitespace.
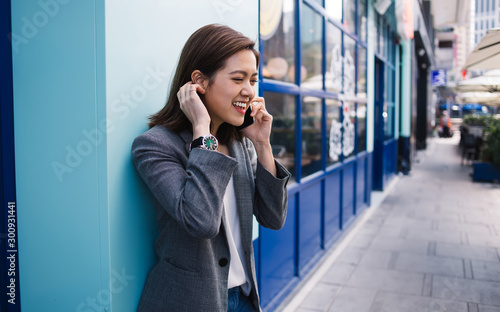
{"x":243,"y":191}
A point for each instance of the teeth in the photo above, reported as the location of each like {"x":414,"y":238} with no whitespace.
{"x":241,"y":105}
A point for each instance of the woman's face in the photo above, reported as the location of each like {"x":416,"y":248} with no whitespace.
{"x":232,"y":89}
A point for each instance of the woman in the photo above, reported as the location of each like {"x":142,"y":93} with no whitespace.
{"x":208,"y":178}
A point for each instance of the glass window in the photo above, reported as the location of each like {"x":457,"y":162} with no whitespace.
{"x":311,"y":135}
{"x":320,"y":2}
{"x":361,"y":119}
{"x":350,"y":15}
{"x":361,"y":83}
{"x":349,"y":66}
{"x":333,"y":132}
{"x":334,"y":10}
{"x":388,"y":119}
{"x":349,"y":128}
{"x":312,"y":55}
{"x":334,"y":58}
{"x":277,"y":30}
{"x":282,"y":108}
{"x":362,"y":20}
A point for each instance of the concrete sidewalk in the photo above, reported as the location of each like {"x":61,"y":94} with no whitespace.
{"x":431,"y":244}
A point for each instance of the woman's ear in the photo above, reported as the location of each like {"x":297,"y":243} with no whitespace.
{"x":200,"y":79}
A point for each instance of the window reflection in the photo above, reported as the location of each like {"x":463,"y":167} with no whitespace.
{"x":282,"y":108}
{"x":311,"y":135}
{"x":362,"y":21}
{"x":334,"y":10}
{"x":333,"y":132}
{"x":361,"y":119}
{"x":334,"y":58}
{"x":349,"y":128}
{"x":350,"y":15}
{"x":312,"y":54}
{"x":361,"y":83}
{"x":349,"y":66}
{"x":277,"y":29}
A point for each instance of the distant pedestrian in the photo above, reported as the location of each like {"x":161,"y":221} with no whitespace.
{"x":445,"y":124}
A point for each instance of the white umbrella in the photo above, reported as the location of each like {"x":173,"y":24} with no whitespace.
{"x":486,"y":55}
{"x":479,"y":97}
{"x":489,"y":82}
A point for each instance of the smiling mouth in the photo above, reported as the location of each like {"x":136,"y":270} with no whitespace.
{"x":240,"y":106}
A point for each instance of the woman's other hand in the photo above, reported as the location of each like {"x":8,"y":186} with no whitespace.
{"x":194,"y":109}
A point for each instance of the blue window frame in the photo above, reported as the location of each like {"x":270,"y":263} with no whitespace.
{"x":314,"y":79}
{"x":329,"y":48}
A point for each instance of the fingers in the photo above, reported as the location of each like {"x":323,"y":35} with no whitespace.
{"x":188,"y":92}
{"x":259,"y":111}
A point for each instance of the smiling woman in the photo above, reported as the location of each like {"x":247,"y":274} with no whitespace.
{"x":209,"y":179}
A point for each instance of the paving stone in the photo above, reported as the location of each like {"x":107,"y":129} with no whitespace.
{"x":351,"y":256}
{"x":321,"y":297}
{"x":353,"y":299}
{"x":387,"y":280}
{"x":484,"y":240}
{"x":339,"y":273}
{"x":430,"y":264}
{"x":404,"y":245}
{"x":485,"y":308}
{"x":468,"y":252}
{"x":435,"y":236}
{"x":391,"y":302}
{"x":486,"y":270}
{"x":456,"y":289}
{"x":376,"y":259}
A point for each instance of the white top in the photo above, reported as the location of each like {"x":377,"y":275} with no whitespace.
{"x":238,"y":271}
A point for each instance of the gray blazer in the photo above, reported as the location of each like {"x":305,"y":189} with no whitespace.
{"x":188,"y":190}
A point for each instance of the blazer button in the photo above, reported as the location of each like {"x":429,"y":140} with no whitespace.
{"x":223,"y":262}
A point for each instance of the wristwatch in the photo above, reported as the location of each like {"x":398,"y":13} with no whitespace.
{"x":208,"y":142}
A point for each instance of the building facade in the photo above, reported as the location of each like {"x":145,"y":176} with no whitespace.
{"x":346,"y":81}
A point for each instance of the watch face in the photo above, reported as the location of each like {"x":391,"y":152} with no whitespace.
{"x":210,"y":142}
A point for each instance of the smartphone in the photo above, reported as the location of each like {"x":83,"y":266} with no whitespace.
{"x":248,"y":119}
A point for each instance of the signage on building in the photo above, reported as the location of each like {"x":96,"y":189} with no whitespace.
{"x":438,"y":78}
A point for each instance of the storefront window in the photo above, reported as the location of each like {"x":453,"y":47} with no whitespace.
{"x":334,"y":58}
{"x":349,"y":66}
{"x":361,"y":83}
{"x":349,"y":128}
{"x":312,"y":54}
{"x":311,"y":135}
{"x":389,"y":120}
{"x":333,"y":132}
{"x":362,"y":21}
{"x":350,"y":15}
{"x":282,"y":108}
{"x":277,"y":30}
{"x":334,"y":9}
{"x":361,"y":119}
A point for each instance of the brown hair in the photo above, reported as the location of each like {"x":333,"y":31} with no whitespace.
{"x":206,"y":50}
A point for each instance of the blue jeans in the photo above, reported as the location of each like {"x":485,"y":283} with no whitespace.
{"x":238,"y":302}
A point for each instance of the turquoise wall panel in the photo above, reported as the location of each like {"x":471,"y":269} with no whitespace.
{"x":62,"y":213}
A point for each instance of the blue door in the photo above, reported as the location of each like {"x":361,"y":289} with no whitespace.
{"x":378,"y":148}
